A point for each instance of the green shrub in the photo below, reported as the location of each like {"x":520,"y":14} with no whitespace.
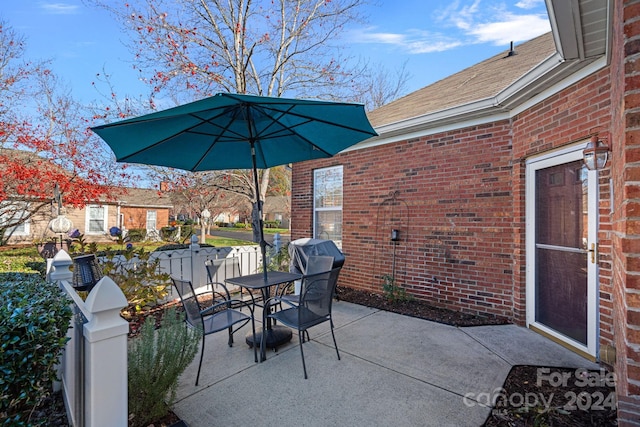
{"x":394,"y":292}
{"x":279,"y":261}
{"x":176,"y":246}
{"x":34,"y":318}
{"x":169,"y":234}
{"x":139,"y":277}
{"x":136,"y":234}
{"x":186,"y":232}
{"x":240,"y":225}
{"x":156,"y":360}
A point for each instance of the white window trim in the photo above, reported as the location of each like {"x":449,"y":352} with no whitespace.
{"x":27,"y":225}
{"x":154,"y":220}
{"x":27,"y":229}
{"x":88,"y":218}
{"x":326,"y":209}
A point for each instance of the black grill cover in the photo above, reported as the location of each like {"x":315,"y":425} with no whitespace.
{"x":300,"y":250}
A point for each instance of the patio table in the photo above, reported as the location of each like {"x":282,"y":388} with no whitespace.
{"x":274,"y":335}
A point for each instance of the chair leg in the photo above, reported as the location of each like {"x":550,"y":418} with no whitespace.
{"x":304,"y":366}
{"x":200,"y":364}
{"x":263,"y":338}
{"x":334,"y":338}
{"x":255,"y":344}
{"x":230,"y":336}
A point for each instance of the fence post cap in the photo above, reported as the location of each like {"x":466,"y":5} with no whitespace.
{"x":62,"y":258}
{"x":106,"y":296}
{"x":58,"y":267}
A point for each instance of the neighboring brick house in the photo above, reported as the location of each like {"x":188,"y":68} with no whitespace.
{"x":482,"y":175}
{"x":144,"y":208}
{"x":277,"y":208}
{"x":133,"y":208}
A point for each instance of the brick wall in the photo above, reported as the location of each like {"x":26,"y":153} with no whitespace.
{"x":137,"y":217}
{"x":456,"y":234}
{"x":569,"y":116}
{"x":626,"y":227}
{"x":464,"y":191}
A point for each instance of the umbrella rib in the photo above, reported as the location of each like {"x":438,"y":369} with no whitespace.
{"x":162,"y":141}
{"x":272,"y":105}
{"x":217,"y":138}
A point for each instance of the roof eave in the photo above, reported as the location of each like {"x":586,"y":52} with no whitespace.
{"x":546,"y":73}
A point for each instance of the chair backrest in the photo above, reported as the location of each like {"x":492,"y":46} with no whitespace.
{"x":319,"y":264}
{"x":189,"y":302}
{"x":219,"y":270}
{"x":316,"y":293}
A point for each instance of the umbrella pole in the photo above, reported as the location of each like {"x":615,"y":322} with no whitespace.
{"x":263,"y":243}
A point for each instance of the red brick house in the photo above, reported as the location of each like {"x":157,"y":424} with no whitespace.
{"x":144,"y":208}
{"x":481,"y":175}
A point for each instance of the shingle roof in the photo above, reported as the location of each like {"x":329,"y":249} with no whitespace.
{"x":144,"y":197}
{"x":478,"y":82}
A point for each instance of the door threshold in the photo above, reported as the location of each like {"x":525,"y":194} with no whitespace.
{"x":563,"y":343}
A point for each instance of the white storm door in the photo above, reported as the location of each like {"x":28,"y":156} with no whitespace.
{"x":562,"y":273}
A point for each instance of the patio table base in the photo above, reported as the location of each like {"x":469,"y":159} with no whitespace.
{"x":276,"y":336}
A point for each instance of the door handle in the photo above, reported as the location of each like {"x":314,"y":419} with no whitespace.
{"x":594,"y":253}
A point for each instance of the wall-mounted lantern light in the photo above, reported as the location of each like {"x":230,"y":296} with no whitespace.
{"x":596,"y":154}
{"x":395,"y":235}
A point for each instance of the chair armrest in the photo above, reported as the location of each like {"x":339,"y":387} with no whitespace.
{"x":226,"y":295}
{"x":283,"y":288}
{"x":275,"y":300}
{"x":228,"y":304}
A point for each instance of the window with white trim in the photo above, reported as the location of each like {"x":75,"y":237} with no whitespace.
{"x":12,"y":212}
{"x":327,"y":204}
{"x":96,"y":220}
{"x":20,"y":229}
{"x":152,"y":220}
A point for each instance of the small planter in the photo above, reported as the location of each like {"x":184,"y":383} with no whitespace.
{"x":50,"y":249}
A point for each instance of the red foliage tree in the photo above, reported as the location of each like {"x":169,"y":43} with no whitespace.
{"x":44,"y":140}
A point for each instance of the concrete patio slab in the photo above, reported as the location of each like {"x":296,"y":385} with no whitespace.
{"x":394,"y":370}
{"x":521,"y":346}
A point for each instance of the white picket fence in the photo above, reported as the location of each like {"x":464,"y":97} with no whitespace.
{"x":189,"y":264}
{"x":93,"y":367}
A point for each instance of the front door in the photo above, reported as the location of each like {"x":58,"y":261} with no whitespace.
{"x":562,"y":249}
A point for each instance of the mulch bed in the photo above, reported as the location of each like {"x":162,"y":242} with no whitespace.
{"x":417,"y":308}
{"x":560,"y":397}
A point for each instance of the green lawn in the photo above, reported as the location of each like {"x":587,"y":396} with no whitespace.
{"x":266,"y":230}
{"x":27,"y":260}
{"x":222,"y":241}
{"x":22,"y":260}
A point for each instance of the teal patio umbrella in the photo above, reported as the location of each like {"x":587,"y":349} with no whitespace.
{"x":232,"y":131}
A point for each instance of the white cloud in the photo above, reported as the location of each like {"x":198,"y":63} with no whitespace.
{"x":529,"y":4}
{"x":59,"y":8}
{"x":463,"y":22}
{"x":492,"y":22}
{"x":509,"y":28}
{"x":413,"y":41}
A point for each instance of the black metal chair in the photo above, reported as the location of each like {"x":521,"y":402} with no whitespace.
{"x":219,"y":270}
{"x":315,"y":264}
{"x":313,"y":308}
{"x":212,"y":312}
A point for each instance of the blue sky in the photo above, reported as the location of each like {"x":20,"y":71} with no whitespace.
{"x":435,"y":38}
